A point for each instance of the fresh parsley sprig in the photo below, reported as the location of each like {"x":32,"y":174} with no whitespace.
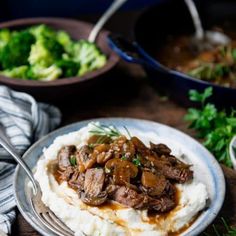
{"x":137,"y":160}
{"x":215,"y":127}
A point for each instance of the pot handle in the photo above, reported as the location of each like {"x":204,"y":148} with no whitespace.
{"x":133,"y":53}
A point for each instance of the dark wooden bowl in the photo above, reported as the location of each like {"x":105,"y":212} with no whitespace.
{"x":65,"y":87}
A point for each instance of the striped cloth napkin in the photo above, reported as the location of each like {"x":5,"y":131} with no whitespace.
{"x":24,"y":121}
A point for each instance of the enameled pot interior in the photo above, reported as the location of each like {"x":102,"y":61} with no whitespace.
{"x":172,"y":17}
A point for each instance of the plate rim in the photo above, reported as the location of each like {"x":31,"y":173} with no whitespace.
{"x":217,"y":169}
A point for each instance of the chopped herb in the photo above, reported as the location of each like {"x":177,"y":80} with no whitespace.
{"x":124,"y":158}
{"x":137,"y":161}
{"x":104,"y":130}
{"x":73,"y":160}
{"x":216,"y":128}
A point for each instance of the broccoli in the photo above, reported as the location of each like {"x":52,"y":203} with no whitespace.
{"x":69,"y":67}
{"x":88,"y":55}
{"x":45,"y":51}
{"x":17,"y":72}
{"x":50,"y":73}
{"x":4,"y":37}
{"x":41,"y":53}
{"x":98,"y":62}
{"x":16,"y":52}
{"x":40,"y":31}
{"x":64,"y":39}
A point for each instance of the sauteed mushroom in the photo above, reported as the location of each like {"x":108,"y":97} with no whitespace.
{"x":153,"y":184}
{"x":84,"y":158}
{"x":102,"y":153}
{"x":121,"y":170}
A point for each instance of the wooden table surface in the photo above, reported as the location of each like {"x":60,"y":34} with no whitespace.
{"x":130,"y":95}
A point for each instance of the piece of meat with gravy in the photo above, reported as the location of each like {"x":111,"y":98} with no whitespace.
{"x":64,"y":156}
{"x":93,"y":187}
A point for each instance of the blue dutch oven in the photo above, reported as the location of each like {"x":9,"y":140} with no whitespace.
{"x":172,"y":17}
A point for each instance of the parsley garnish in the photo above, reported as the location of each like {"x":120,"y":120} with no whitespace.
{"x":137,"y":161}
{"x":73,"y":161}
{"x":215,"y":127}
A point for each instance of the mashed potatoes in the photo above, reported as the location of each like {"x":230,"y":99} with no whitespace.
{"x":112,"y":219}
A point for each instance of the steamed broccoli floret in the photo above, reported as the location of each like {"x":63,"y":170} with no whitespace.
{"x":16,"y":52}
{"x":17,"y":72}
{"x":69,"y":68}
{"x":88,"y":55}
{"x":4,"y":37}
{"x":84,"y":51}
{"x":50,"y":73}
{"x":64,"y":39}
{"x":45,"y":51}
{"x":42,"y":31}
{"x":98,"y":62}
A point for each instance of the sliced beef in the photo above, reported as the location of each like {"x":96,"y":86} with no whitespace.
{"x":84,"y":158}
{"x":93,"y":186}
{"x":66,"y":174}
{"x":132,"y":198}
{"x":129,"y":197}
{"x":180,"y":175}
{"x":170,"y":191}
{"x":160,"y":149}
{"x":64,"y":156}
{"x":179,"y":171}
{"x":162,"y":204}
{"x":77,"y":181}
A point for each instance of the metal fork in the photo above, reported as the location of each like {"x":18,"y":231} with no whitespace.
{"x":47,"y":217}
{"x":43,"y":213}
